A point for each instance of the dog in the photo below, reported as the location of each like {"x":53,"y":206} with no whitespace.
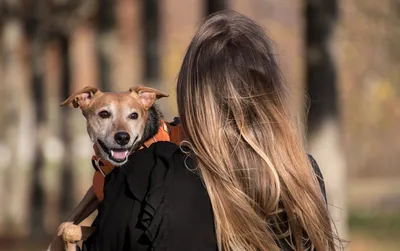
{"x":117,"y":124}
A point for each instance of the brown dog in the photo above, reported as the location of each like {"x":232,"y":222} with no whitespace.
{"x":117,"y":124}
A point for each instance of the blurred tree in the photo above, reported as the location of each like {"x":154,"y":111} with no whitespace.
{"x":105,"y":26}
{"x":127,"y":52}
{"x":176,"y":31}
{"x":35,"y":25}
{"x":66,"y":195}
{"x":214,"y":6}
{"x":324,"y":133}
{"x":151,"y":41}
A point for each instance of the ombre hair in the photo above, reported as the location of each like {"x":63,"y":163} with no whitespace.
{"x":261,"y":184}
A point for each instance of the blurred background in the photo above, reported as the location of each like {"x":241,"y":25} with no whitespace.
{"x":340,"y":56}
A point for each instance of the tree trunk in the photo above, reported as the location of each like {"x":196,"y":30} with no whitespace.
{"x":84,"y":72}
{"x":176,"y":32}
{"x":53,"y":147}
{"x":214,"y":6}
{"x":128,"y":47}
{"x":324,"y":132}
{"x":151,"y":42}
{"x":37,"y":38}
{"x":105,"y":26}
{"x":66,"y":192}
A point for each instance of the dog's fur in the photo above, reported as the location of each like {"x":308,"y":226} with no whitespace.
{"x":153,"y":123}
{"x":102,"y":131}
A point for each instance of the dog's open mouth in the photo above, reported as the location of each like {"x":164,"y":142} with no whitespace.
{"x":117,"y":155}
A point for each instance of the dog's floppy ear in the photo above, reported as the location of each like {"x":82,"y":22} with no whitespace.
{"x":147,"y":95}
{"x":81,"y":98}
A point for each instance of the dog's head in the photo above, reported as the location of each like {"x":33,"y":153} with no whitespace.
{"x":115,"y":121}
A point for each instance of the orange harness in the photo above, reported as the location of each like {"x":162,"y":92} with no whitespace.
{"x":166,"y":132}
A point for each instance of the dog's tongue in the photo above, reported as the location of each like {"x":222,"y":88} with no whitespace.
{"x":119,"y":155}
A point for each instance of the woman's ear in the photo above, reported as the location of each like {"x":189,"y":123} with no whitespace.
{"x":82,"y":98}
{"x":147,"y":95}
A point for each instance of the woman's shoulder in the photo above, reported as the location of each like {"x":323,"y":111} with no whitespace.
{"x":165,"y":162}
{"x":161,"y":150}
{"x":181,"y":165}
{"x":189,"y":209}
{"x":175,"y":155}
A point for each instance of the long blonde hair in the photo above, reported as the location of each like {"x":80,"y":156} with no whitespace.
{"x":259,"y":179}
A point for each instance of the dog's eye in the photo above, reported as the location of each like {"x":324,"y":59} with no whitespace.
{"x":134,"y":115}
{"x":104,"y":114}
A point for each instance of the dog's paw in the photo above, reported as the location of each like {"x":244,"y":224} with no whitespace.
{"x":75,"y":233}
{"x":72,"y":233}
{"x":63,"y":226}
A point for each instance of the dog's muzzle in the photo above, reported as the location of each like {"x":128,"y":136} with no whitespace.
{"x":118,"y":155}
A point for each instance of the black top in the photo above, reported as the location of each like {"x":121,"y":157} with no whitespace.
{"x":155,"y":202}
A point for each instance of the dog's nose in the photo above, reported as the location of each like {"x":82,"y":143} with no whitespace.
{"x":122,"y":138}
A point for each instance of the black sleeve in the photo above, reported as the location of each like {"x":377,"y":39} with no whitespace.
{"x":320,"y":177}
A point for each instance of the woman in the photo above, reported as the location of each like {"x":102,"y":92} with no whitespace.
{"x":242,"y":180}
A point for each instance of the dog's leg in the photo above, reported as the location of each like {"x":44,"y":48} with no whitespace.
{"x":70,"y":246}
{"x":58,"y":243}
{"x":85,"y":207}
